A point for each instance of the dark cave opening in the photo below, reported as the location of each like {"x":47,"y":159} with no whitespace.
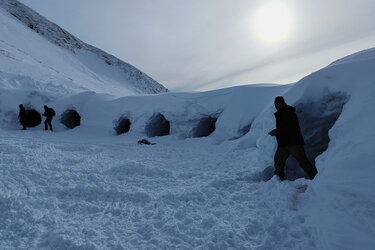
{"x":205,"y":127}
{"x":316,"y":119}
{"x":32,"y":118}
{"x":70,"y":118}
{"x":122,"y":125}
{"x":157,"y":126}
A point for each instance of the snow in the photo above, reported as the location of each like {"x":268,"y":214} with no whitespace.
{"x":89,"y":188}
{"x":60,"y":191}
{"x":56,"y":61}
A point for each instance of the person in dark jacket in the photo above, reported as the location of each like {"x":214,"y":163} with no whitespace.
{"x":22,"y":116}
{"x":289,"y":139}
{"x":49,"y":113}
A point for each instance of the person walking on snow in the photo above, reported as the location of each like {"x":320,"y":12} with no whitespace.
{"x":289,"y":139}
{"x":49,"y":113}
{"x":22,"y":116}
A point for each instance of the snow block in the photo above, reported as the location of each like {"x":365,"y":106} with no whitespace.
{"x":70,"y":118}
{"x":205,"y":127}
{"x":122,"y":125}
{"x":316,"y":119}
{"x":33,"y":118}
{"x":157,"y":126}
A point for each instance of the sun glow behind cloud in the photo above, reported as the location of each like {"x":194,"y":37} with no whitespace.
{"x":272,"y":23}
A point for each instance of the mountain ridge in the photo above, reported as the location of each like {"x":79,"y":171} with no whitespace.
{"x":62,"y":38}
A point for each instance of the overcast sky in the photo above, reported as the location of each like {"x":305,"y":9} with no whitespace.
{"x":189,"y":45}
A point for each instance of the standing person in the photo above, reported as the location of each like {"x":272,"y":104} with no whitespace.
{"x":289,"y":139}
{"x":48,"y":113}
{"x":22,"y":116}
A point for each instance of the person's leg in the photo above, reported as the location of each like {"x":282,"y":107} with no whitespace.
{"x":50,"y":123}
{"x":46,"y":124}
{"x":298,"y":152}
{"x":23,"y":123}
{"x":280,"y":158}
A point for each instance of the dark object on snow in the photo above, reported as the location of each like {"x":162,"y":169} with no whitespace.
{"x":122,"y":125}
{"x":289,"y":139}
{"x":205,"y":127}
{"x":22,"y":116}
{"x":49,"y":113}
{"x":144,"y":141}
{"x":70,"y":118}
{"x":157,"y":126}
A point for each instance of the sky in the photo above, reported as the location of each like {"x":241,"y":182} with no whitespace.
{"x":196,"y":45}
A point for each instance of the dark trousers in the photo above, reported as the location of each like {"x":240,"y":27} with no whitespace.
{"x":48,"y":122}
{"x":298,"y":152}
{"x":23,"y":123}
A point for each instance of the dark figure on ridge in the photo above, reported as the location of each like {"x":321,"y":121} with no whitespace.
{"x":48,"y":113}
{"x":289,"y":139}
{"x":22,"y":116}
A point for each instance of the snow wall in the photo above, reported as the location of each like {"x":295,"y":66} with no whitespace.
{"x":334,"y":107}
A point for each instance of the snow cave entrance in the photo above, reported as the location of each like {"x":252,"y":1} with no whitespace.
{"x":315,"y":119}
{"x":70,"y":118}
{"x":157,"y":126}
{"x":32,"y":118}
{"x":205,"y":127}
{"x":122,"y":125}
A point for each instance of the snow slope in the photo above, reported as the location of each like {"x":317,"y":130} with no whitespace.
{"x":36,"y":54}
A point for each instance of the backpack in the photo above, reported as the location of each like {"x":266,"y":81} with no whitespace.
{"x":52,"y":112}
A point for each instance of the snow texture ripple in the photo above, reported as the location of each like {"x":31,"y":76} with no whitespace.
{"x":74,"y":195}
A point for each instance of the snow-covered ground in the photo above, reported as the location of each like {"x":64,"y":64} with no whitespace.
{"x":62,"y":191}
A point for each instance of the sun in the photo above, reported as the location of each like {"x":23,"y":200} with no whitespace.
{"x":272,"y":23}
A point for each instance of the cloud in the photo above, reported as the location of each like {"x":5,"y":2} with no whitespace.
{"x":190,"y":45}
